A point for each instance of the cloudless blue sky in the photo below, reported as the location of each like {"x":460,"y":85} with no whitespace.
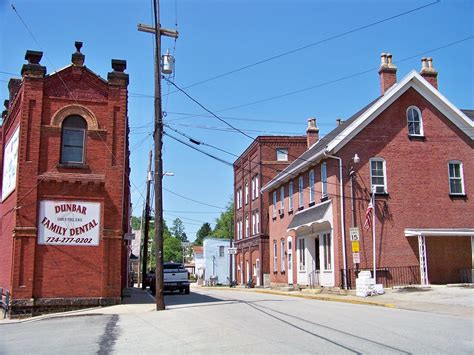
{"x":219,"y":36}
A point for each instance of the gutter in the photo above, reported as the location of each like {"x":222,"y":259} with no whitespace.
{"x":343,"y":227}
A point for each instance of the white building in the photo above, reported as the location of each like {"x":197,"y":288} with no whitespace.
{"x":217,"y":260}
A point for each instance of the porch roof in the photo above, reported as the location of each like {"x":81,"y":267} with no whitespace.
{"x":309,"y":216}
{"x":439,"y":232}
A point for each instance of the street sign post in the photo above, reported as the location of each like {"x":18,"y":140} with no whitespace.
{"x":232,"y":251}
{"x":354,"y":234}
{"x":356,"y":258}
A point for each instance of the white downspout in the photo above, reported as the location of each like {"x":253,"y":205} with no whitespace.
{"x":343,"y":227}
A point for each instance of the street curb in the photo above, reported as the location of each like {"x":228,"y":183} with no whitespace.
{"x":8,"y":321}
{"x":311,"y":297}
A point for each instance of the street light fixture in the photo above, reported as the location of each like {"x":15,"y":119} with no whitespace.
{"x":168,"y":173}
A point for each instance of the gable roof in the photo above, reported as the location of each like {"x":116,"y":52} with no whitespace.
{"x":342,"y":134}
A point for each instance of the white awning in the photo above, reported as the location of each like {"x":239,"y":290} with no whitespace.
{"x":439,"y":232}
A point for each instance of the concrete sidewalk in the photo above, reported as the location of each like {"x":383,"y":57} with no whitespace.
{"x":454,"y":300}
{"x":134,"y":301}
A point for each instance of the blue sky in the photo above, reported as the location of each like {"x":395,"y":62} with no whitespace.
{"x":219,"y":36}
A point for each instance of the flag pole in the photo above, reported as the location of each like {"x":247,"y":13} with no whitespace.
{"x":373,"y":230}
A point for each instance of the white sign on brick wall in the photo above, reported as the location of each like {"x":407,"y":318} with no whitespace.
{"x":69,"y":223}
{"x":10,"y":164}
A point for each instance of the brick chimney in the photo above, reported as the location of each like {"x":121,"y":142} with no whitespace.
{"x":78,"y":58}
{"x":429,"y":72}
{"x":387,"y":72}
{"x":312,"y":132}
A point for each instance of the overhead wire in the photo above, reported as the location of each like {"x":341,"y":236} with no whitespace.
{"x":68,"y":90}
{"x":342,"y":34}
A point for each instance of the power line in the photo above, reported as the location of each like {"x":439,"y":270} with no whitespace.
{"x":342,"y":34}
{"x":190,"y":199}
{"x":71,"y":94}
{"x":346,"y":77}
{"x":199,"y":150}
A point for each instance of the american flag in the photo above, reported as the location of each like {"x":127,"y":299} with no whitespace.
{"x":368,"y":216}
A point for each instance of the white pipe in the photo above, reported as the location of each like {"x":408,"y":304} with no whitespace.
{"x":343,"y":227}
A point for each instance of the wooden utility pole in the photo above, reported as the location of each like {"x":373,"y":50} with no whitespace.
{"x":146,"y":223}
{"x":158,"y":139}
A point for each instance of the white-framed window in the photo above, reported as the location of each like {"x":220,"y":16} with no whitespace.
{"x":247,"y":227}
{"x":290,"y":196}
{"x":300,"y":192}
{"x":327,"y":251}
{"x":311,"y":186}
{"x":282,"y":255}
{"x":257,"y":222}
{"x":253,"y":223}
{"x":274,"y":204}
{"x":246,"y":192}
{"x":414,"y":121}
{"x":324,"y":180}
{"x":238,"y":198}
{"x":253,"y":188}
{"x":221,"y":251}
{"x":456,"y":177}
{"x":275,"y":256}
{"x":378,"y":175}
{"x":257,"y":186}
{"x":239,"y":229}
{"x":301,"y":255}
{"x":282,"y":154}
{"x":73,"y":140}
{"x":282,"y":199}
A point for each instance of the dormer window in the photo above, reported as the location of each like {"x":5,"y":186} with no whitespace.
{"x":73,"y":140}
{"x":415,"y":122}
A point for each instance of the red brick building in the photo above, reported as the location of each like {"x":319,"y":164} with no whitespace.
{"x":65,"y":187}
{"x":413,"y":147}
{"x":257,"y":165}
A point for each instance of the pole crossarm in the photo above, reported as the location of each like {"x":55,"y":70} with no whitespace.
{"x":163,"y":31}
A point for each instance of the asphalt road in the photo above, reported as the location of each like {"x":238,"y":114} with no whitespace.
{"x":223,"y":321}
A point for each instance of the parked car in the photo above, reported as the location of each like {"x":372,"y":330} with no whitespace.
{"x":175,"y":277}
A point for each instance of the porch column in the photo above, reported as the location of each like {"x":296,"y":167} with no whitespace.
{"x":423,"y":261}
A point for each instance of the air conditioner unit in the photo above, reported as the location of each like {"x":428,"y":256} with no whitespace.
{"x":379,"y":189}
{"x":281,"y":211}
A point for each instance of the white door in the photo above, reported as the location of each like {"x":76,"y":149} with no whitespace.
{"x":290,"y":261}
{"x":327,"y":257}
{"x":257,"y":271}
{"x":301,"y":275}
{"x":241,"y":269}
{"x":247,"y":272}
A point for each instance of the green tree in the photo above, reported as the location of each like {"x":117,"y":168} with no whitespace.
{"x":225,"y":223}
{"x":177,"y":230}
{"x":136,"y":223}
{"x":172,"y":250}
{"x":203,"y":232}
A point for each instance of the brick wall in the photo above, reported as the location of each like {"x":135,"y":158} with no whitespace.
{"x":65,"y":271}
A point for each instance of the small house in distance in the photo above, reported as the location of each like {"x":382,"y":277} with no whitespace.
{"x":216,"y":261}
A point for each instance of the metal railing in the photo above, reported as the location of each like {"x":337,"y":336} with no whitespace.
{"x":313,"y":278}
{"x":466,"y":275}
{"x":388,"y":276}
{"x":4,"y":301}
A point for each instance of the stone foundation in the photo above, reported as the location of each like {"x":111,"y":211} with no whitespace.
{"x":21,"y":308}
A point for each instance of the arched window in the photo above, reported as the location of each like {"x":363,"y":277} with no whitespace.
{"x":415,"y":122}
{"x":73,"y":140}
